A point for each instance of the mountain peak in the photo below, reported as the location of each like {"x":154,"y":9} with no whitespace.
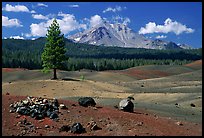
{"x":120,"y":35}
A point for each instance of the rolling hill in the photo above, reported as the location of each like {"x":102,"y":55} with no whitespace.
{"x":153,"y":91}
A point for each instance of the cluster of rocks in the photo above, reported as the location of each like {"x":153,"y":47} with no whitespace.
{"x":37,"y":108}
{"x":27,"y":127}
{"x":75,"y":128}
{"x":78,"y":128}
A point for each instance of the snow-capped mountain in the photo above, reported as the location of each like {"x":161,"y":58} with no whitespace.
{"x":184,"y":46}
{"x":119,"y":35}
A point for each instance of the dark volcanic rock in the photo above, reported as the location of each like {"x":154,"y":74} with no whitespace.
{"x":192,"y":105}
{"x":126,"y":105}
{"x":37,"y":108}
{"x":86,"y":101}
{"x":77,"y":128}
{"x":53,"y":116}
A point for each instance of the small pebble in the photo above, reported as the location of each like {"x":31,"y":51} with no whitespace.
{"x":18,"y":116}
{"x":179,"y":123}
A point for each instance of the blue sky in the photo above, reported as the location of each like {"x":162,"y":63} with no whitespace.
{"x":180,"y":22}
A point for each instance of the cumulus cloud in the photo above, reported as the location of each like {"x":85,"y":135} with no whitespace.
{"x":38,"y":29}
{"x":116,"y":9}
{"x":161,"y":36}
{"x":74,"y":6}
{"x":26,"y":34}
{"x":16,"y":8}
{"x":39,"y":16}
{"x":95,"y":20}
{"x":32,"y":11}
{"x":16,"y":37}
{"x":42,"y":5}
{"x":67,"y":24}
{"x":10,"y":22}
{"x":169,"y":26}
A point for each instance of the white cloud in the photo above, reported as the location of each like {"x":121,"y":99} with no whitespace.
{"x":39,"y":16}
{"x":169,"y":26}
{"x":16,"y":8}
{"x":67,"y":24}
{"x":32,"y":11}
{"x":39,"y":29}
{"x":161,"y":36}
{"x":10,"y":22}
{"x":16,"y":37}
{"x":95,"y":20}
{"x":116,"y":9}
{"x":27,"y":35}
{"x":74,"y":6}
{"x":42,"y":5}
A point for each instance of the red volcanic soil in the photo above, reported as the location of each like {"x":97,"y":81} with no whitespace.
{"x":196,"y":64}
{"x":144,"y":74}
{"x":12,"y":69}
{"x":111,"y":121}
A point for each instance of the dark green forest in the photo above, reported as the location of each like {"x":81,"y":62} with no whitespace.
{"x":27,"y":54}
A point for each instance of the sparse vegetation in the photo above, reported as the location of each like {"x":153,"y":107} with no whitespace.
{"x":82,"y":77}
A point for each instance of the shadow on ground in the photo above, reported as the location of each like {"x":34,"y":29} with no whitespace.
{"x":70,"y":79}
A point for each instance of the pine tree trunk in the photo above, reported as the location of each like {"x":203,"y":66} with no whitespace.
{"x":55,"y":74}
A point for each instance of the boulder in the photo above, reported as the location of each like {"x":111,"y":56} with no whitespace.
{"x":126,"y":105}
{"x":77,"y":128}
{"x":86,"y":101}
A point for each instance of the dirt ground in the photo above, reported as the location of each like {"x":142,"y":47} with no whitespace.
{"x":169,"y":90}
{"x":110,"y":121}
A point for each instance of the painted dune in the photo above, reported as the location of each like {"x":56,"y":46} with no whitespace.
{"x":162,"y":91}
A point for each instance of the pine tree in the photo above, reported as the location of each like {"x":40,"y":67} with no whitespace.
{"x":54,"y":50}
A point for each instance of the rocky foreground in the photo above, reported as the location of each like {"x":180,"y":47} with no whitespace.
{"x":94,"y":121}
